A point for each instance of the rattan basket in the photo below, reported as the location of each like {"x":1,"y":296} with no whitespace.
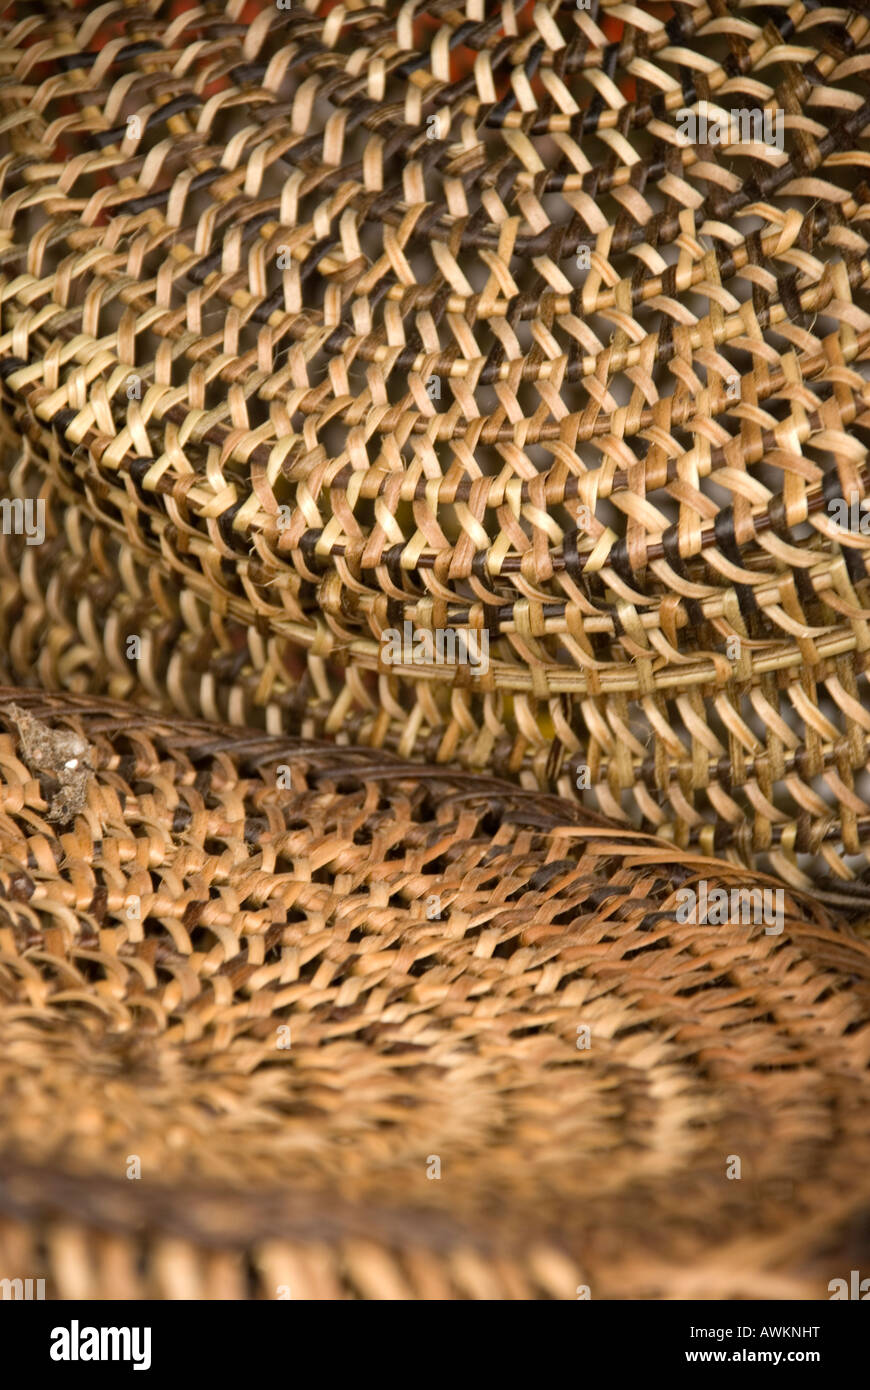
{"x":392,"y":1032}
{"x":294,"y":309}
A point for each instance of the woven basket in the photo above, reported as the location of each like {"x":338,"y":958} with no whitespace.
{"x":242,"y":988}
{"x":70,"y":607}
{"x":293,"y":306}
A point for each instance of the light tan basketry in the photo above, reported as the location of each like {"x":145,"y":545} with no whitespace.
{"x":297,"y":293}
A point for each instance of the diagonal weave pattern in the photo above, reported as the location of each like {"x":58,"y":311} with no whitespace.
{"x":156,"y":1033}
{"x":291,"y":305}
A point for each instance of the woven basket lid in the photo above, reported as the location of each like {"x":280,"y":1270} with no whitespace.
{"x":294,"y":305}
{"x":388,"y":1031}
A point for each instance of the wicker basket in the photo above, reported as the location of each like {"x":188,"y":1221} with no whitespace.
{"x":294,"y":306}
{"x":389,"y":1031}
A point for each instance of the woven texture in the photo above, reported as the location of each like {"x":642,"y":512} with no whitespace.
{"x":291,"y":307}
{"x":466,"y":513}
{"x":69,"y":606}
{"x":265,"y":911}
